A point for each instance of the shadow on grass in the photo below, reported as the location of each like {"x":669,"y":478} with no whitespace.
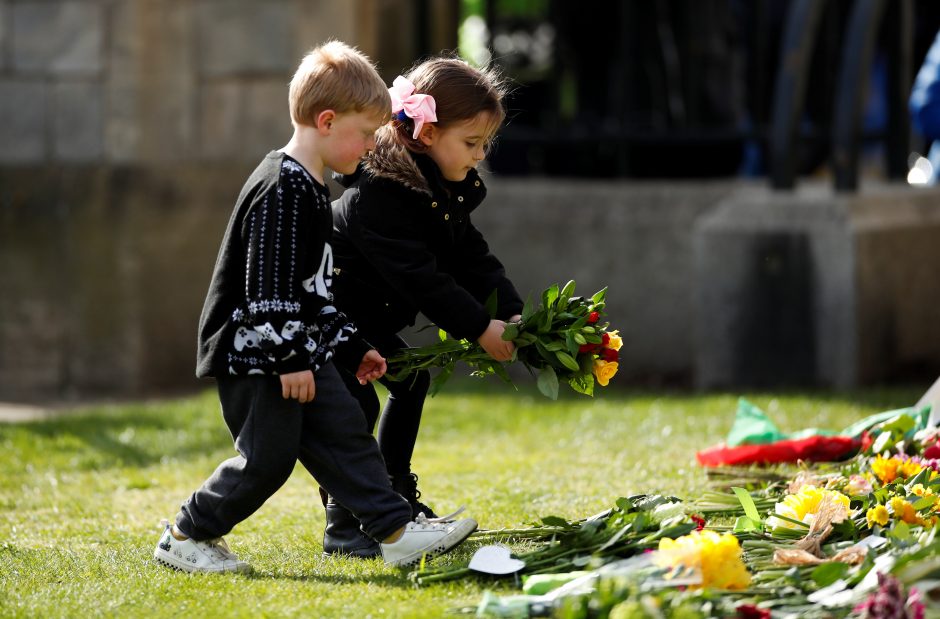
{"x":128,"y":435}
{"x":385,"y":580}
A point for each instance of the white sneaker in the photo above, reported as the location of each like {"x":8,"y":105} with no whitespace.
{"x":427,"y":537}
{"x":191,"y":556}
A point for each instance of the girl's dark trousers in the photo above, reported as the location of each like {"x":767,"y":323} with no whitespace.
{"x":329,"y":436}
{"x":401,"y":418}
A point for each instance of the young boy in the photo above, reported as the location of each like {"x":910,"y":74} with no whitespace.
{"x":269,"y":332}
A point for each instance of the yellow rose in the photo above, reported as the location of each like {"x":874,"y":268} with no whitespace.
{"x":604,"y":371}
{"x":615,"y":340}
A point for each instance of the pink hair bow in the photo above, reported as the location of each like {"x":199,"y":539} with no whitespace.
{"x":420,"y":108}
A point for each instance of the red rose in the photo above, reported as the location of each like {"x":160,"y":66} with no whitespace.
{"x":933,"y":451}
{"x":587,"y":347}
{"x":593,"y":317}
{"x":605,"y":339}
{"x":749,"y":611}
{"x":609,"y":354}
{"x":699,"y":522}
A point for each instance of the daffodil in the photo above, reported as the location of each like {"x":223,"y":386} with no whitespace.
{"x":804,"y":505}
{"x":716,"y":557}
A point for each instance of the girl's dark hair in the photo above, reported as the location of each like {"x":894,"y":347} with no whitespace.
{"x":460,"y":92}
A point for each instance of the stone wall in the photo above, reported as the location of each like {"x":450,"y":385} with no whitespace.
{"x":128,"y":126}
{"x":126,"y":129}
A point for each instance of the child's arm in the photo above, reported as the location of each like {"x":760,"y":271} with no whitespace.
{"x":482,"y":273}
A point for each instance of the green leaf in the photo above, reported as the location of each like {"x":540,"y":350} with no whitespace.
{"x":555,"y":521}
{"x":545,"y":324}
{"x":491,"y":304}
{"x":923,"y":503}
{"x":900,"y":532}
{"x":920,"y":478}
{"x":747,"y":502}
{"x":550,"y":296}
{"x":553,"y":345}
{"x":528,"y":309}
{"x":571,"y":341}
{"x":511,"y":332}
{"x":566,"y":292}
{"x":548,"y":382}
{"x":743,"y":524}
{"x":625,"y":504}
{"x":567,"y":360}
{"x":500,"y":370}
{"x":827,"y":573}
{"x":526,"y":339}
{"x":579,"y":339}
{"x":599,"y":295}
{"x":441,"y":378}
{"x":582,"y":383}
{"x":442,"y":335}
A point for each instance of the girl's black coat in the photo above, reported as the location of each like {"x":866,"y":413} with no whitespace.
{"x":403,"y":242}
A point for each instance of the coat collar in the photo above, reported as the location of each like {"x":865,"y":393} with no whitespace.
{"x":390,"y":160}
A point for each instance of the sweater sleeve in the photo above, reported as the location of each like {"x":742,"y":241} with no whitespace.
{"x":482,"y":273}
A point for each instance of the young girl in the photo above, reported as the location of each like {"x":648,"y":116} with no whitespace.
{"x":404,"y":243}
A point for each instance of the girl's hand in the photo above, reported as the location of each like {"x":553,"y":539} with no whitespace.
{"x":493,"y":343}
{"x":373,"y":366}
{"x":298,"y":386}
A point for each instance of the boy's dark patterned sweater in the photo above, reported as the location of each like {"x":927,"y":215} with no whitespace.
{"x":269,"y":309}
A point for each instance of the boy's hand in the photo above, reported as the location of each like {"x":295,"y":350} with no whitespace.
{"x":373,"y":366}
{"x":298,"y":386}
{"x":493,"y":343}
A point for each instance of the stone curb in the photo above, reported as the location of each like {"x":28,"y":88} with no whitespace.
{"x":17,"y":413}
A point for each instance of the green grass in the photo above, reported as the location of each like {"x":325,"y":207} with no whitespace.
{"x":81,"y":497}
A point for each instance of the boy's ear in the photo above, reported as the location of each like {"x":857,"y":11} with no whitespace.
{"x":325,"y":120}
{"x":428,"y":134}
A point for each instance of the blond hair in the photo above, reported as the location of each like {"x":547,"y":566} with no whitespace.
{"x":335,"y":76}
{"x":460,"y":92}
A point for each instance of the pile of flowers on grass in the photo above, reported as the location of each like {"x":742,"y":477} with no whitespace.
{"x":856,"y":538}
{"x":563,"y":338}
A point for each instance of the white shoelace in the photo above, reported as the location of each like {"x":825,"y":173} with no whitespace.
{"x":449,"y":517}
{"x":222,"y":551}
{"x":423,"y":522}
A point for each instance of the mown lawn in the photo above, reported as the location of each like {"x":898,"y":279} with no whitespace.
{"x":81,"y":497}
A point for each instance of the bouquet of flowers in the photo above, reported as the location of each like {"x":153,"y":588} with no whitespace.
{"x":564,"y":338}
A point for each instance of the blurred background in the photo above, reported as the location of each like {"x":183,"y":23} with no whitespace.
{"x":743,"y":175}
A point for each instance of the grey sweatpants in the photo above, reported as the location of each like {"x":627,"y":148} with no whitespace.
{"x":328,"y":436}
